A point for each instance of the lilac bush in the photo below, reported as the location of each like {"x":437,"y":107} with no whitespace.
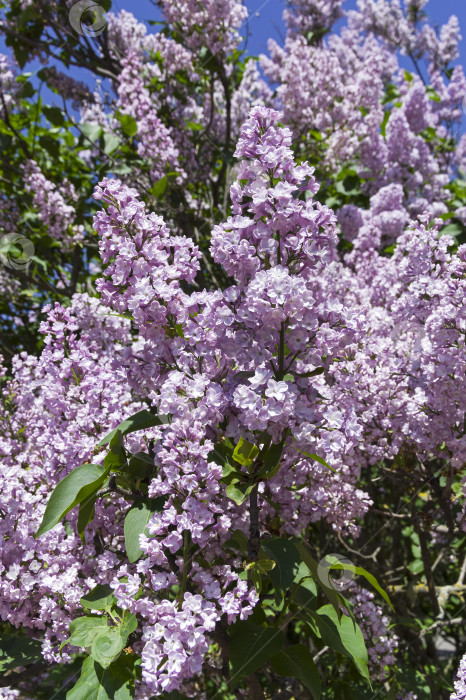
{"x":237,"y":345}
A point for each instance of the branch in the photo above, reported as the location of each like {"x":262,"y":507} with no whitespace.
{"x":254,"y":541}
{"x":442,"y":623}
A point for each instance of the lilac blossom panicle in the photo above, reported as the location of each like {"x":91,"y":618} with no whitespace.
{"x":460,"y":682}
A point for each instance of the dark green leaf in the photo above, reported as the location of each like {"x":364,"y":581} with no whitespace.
{"x":100,"y":598}
{"x":360,"y":571}
{"x":296,"y":661}
{"x":86,"y":514}
{"x":116,"y":458}
{"x":139,"y":464}
{"x":318,"y":459}
{"x":140,"y":421}
{"x":252,"y":646}
{"x":287,"y":558}
{"x":54,"y":115}
{"x":158,"y":189}
{"x":313,"y":567}
{"x":50,"y":145}
{"x":18,"y":651}
{"x":75,"y":488}
{"x":272,"y":460}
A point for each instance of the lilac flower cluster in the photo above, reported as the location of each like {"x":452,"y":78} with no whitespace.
{"x":53,"y":207}
{"x":381,"y":645}
{"x":460,"y":683}
{"x":213,"y":23}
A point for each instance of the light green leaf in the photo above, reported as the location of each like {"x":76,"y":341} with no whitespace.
{"x":92,"y":131}
{"x":360,"y":571}
{"x":83,"y":630}
{"x":97,"y":683}
{"x":128,"y":124}
{"x":245,"y":452}
{"x":107,"y":645}
{"x":128,"y":625}
{"x":135,"y":523}
{"x":238,"y":492}
{"x":343,"y":635}
{"x":111,"y":143}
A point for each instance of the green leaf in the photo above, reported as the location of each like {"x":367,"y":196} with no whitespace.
{"x":116,"y":458}
{"x":287,"y":558}
{"x":314,"y":373}
{"x":100,"y":598}
{"x":97,"y":683}
{"x":343,"y":635}
{"x":83,"y":630}
{"x":75,"y":488}
{"x":315,"y":457}
{"x":50,"y":145}
{"x":238,"y":492}
{"x":86,"y":515}
{"x":296,"y":661}
{"x":140,"y":421}
{"x":18,"y":651}
{"x":158,"y":189}
{"x":128,"y":625}
{"x":313,"y":567}
{"x":454,"y":230}
{"x":139,"y":464}
{"x":245,"y":452}
{"x":252,"y":646}
{"x":107,"y":645}
{"x":26,"y":90}
{"x":111,"y":143}
{"x":360,"y":571}
{"x":135,"y":523}
{"x":91,"y":131}
{"x":54,"y":115}
{"x":128,"y":124}
{"x":272,"y":460}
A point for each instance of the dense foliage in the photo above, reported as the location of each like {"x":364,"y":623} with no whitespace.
{"x":233,"y":385}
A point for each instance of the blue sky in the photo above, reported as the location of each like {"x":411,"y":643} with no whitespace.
{"x":265,"y":18}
